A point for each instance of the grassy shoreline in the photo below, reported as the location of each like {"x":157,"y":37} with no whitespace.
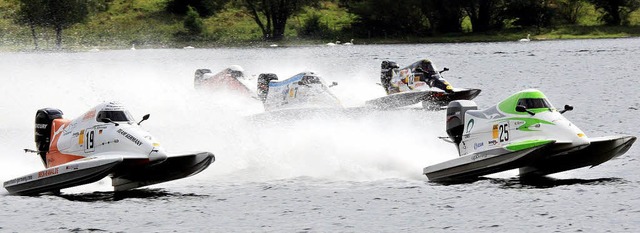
{"x":563,"y":33}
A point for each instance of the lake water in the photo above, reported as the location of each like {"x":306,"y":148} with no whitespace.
{"x":325,"y":173}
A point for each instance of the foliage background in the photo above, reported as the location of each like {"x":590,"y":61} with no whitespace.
{"x":151,"y":24}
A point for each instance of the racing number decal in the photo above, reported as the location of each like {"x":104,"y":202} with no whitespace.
{"x":89,"y":136}
{"x":503,"y":130}
{"x":293,"y":92}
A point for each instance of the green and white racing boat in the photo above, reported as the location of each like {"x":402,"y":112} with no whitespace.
{"x":523,"y":131}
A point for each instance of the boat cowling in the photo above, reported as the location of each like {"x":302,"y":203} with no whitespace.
{"x":263,"y":85}
{"x":455,"y":118}
{"x":44,"y":117}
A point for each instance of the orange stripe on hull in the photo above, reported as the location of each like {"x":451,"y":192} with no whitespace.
{"x":54,"y":157}
{"x":57,"y":158}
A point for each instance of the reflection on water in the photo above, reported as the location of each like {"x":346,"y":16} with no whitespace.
{"x":147,"y":194}
{"x":549,"y":182}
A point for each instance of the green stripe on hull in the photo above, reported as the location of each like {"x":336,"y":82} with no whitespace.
{"x":528,"y":122}
{"x":527,"y":144}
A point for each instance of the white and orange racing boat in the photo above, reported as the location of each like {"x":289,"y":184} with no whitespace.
{"x":105,"y":141}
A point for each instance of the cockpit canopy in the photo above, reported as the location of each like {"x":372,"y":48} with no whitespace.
{"x":532,"y":103}
{"x":122,"y":116}
{"x":112,"y":110}
{"x":311,"y":80}
{"x":236,"y":71}
{"x":532,"y":99}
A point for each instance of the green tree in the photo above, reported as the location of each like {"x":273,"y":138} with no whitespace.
{"x":530,"y":13}
{"x":205,"y":8}
{"x":484,"y":15}
{"x":62,"y":14}
{"x":193,"y":22}
{"x":32,"y":14}
{"x":616,"y":12}
{"x":570,"y":10}
{"x":445,"y":16}
{"x":313,"y":27}
{"x":386,"y":17}
{"x":275,"y":14}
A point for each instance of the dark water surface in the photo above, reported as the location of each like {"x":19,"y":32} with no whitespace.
{"x":325,"y":173}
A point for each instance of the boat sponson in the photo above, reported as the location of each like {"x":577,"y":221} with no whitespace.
{"x":465,"y":94}
{"x":600,"y":150}
{"x":399,"y":99}
{"x":438,"y":98}
{"x":63,"y":180}
{"x":470,"y":167}
{"x":175,"y":167}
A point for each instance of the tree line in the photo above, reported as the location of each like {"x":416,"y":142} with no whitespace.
{"x":373,"y":18}
{"x":428,"y":17}
{"x":382,"y":18}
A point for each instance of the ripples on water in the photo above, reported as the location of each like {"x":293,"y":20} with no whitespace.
{"x":325,"y":172}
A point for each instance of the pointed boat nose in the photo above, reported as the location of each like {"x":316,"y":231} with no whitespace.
{"x":157,"y":155}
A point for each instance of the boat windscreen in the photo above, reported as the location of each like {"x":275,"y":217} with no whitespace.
{"x":531,"y":103}
{"x":310,"y":79}
{"x":114,"y":116}
{"x":236,"y":74}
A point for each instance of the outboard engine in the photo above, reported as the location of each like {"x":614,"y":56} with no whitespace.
{"x":455,"y":118}
{"x":199,"y":75}
{"x":263,"y":84}
{"x":44,"y":118}
{"x":386,"y":73}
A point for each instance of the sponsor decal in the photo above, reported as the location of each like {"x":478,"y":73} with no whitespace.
{"x":80,"y":137}
{"x":478,"y":156}
{"x":19,"y":180}
{"x":518,"y":123}
{"x":130,"y":137}
{"x":113,"y":106}
{"x":477,"y":145}
{"x":494,"y":131}
{"x":48,"y":172}
{"x":41,"y":126}
{"x":72,"y":167}
{"x":470,"y":125}
{"x":24,"y":179}
{"x":492,"y":142}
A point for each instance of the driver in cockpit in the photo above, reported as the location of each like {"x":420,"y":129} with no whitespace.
{"x":426,"y":72}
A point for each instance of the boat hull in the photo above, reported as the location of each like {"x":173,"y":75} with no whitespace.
{"x":471,"y":167}
{"x":600,"y":150}
{"x":64,"y":176}
{"x":175,"y":167}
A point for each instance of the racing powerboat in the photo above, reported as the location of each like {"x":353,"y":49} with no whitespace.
{"x":523,"y":131}
{"x":305,"y":90}
{"x":232,"y":79}
{"x":418,"y":82}
{"x":105,"y":141}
